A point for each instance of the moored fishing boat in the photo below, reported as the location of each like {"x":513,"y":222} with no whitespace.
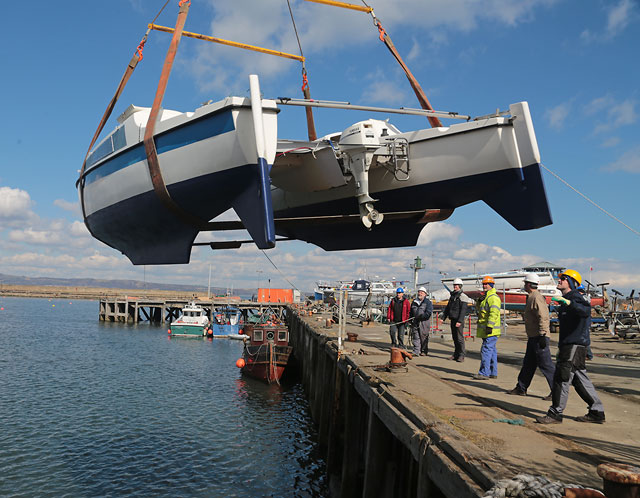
{"x":192,"y":322}
{"x":227,"y":321}
{"x":266,"y":352}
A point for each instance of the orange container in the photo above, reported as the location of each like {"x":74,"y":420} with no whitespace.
{"x":275,"y":295}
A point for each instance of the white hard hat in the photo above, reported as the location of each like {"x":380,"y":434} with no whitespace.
{"x":457,"y":281}
{"x":532,"y":278}
{"x":422,"y":289}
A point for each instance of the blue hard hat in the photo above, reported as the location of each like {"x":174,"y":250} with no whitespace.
{"x":399,"y":289}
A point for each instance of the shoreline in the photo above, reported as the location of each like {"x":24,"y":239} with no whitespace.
{"x":96,"y":293}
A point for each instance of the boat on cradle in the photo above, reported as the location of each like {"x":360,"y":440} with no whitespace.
{"x":508,"y":280}
{"x":228,"y":321}
{"x":192,"y":322}
{"x":266,"y":352}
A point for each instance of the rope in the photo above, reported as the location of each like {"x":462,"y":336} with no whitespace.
{"x":282,"y":274}
{"x":592,"y":202}
{"x":528,"y":486}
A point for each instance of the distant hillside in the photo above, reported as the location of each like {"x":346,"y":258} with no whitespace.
{"x":113,"y":284}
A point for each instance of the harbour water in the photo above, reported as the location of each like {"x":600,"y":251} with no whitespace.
{"x":107,"y":409}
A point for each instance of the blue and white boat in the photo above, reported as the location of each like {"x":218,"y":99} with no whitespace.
{"x":227,"y":321}
{"x":341,"y":191}
{"x":208,"y":161}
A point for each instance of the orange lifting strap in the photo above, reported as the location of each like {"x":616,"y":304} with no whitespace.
{"x":137,"y":57}
{"x":384,"y":37}
{"x":157,"y":180}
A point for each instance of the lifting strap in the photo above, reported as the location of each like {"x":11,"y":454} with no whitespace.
{"x":137,"y":57}
{"x":422,"y":98}
{"x":157,"y":180}
{"x":311,"y":127}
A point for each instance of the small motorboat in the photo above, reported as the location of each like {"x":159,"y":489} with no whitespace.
{"x":266,"y":352}
{"x":192,"y":322}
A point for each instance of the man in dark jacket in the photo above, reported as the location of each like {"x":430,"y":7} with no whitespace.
{"x":456,"y":310}
{"x":574,"y":318}
{"x":398,"y":314}
{"x":421,"y":309}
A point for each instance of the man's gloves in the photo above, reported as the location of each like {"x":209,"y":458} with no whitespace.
{"x":561,"y":300}
{"x":442,"y":317}
{"x":542,"y":341}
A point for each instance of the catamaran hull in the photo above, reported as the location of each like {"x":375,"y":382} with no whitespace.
{"x":495,"y":160}
{"x":209,"y":163}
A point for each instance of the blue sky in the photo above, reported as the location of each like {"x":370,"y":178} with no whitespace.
{"x":575,"y":63}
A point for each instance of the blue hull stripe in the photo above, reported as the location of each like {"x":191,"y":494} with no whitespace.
{"x":191,"y":132}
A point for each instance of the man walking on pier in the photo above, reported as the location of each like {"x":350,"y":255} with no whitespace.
{"x":421,"y":309}
{"x":398,"y":314}
{"x":488,"y":329}
{"x":456,"y":310}
{"x":574,"y":318}
{"x":536,"y":325}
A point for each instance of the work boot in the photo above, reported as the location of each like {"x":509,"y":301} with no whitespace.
{"x":593,"y":417}
{"x":548,"y":419}
{"x":453,"y":357}
{"x":517,"y":391}
{"x":548,"y":397}
{"x":480,"y":377}
{"x":460,"y":360}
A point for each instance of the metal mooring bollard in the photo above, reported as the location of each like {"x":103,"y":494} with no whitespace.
{"x":620,"y":480}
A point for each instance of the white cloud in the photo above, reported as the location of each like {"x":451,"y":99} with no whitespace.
{"x":73,"y":207}
{"x":611,"y":142}
{"x":327,"y":30}
{"x":612,"y":114}
{"x":385,"y":91}
{"x":629,"y":162}
{"x":618,"y":19}
{"x":15,"y":204}
{"x":557,"y":115}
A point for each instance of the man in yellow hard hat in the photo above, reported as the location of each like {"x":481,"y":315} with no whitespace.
{"x":574,"y":318}
{"x":488,"y":329}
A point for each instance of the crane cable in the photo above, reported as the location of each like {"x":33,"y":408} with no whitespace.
{"x":592,"y":202}
{"x":283,"y":275}
{"x":311,"y":127}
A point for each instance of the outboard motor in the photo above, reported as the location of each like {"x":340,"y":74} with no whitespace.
{"x":357,"y":145}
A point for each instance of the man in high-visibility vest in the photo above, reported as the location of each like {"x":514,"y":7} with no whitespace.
{"x":488,"y":329}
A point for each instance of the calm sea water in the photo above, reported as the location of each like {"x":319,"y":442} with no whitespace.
{"x":95,"y":409}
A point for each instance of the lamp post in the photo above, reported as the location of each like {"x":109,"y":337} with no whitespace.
{"x":259,"y":272}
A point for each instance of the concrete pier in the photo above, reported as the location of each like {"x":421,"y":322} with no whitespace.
{"x":434,"y":431}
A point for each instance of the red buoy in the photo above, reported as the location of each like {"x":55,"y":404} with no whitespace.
{"x":240,"y":363}
{"x":169,"y":331}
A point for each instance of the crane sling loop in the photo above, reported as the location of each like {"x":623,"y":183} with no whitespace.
{"x":153,"y":164}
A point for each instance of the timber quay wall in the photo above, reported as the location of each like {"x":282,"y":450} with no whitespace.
{"x":376,"y":444}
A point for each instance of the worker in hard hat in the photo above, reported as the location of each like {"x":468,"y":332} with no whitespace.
{"x":456,"y":310}
{"x":421,"y":310}
{"x":536,"y":325}
{"x":574,"y":317}
{"x":397,"y":315}
{"x":488,"y":329}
